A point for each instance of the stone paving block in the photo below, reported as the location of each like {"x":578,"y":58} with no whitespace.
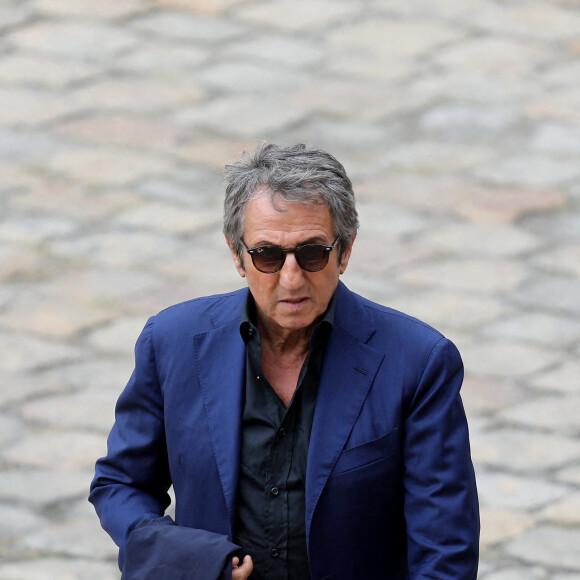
{"x":118,"y":337}
{"x":499,"y":525}
{"x":250,"y":78}
{"x":14,"y":14}
{"x":564,"y":259}
{"x":431,"y":156}
{"x":466,"y":122}
{"x":536,"y":20}
{"x":243,"y":117}
{"x":28,"y":107}
{"x":168,"y":218}
{"x":209,"y":7}
{"x":98,"y":167}
{"x":534,"y":171}
{"x":17,"y":520}
{"x":72,"y":450}
{"x":72,"y":536}
{"x":561,"y":227}
{"x":66,"y":200}
{"x":87,"y":409}
{"x":450,"y":310}
{"x":135,"y":96}
{"x":115,"y":250}
{"x":191,"y":193}
{"x":550,"y":546}
{"x":492,"y":56}
{"x":394,"y":39}
{"x":281,"y":50}
{"x":16,"y":261}
{"x":520,"y":573}
{"x":56,"y":318}
{"x":477,"y":275}
{"x":214,"y":152}
{"x":91,"y":41}
{"x":108,"y":9}
{"x":561,"y":379}
{"x":34,"y":229}
{"x":36,"y":71}
{"x":42,"y":487}
{"x":152,"y":59}
{"x":523,"y":451}
{"x":28,"y":352}
{"x":16,"y":387}
{"x":561,"y":105}
{"x":62,"y":568}
{"x":556,"y":413}
{"x":11,"y":429}
{"x":471,"y":85}
{"x":508,"y":358}
{"x":490,"y":205}
{"x":26,"y":146}
{"x":381,"y":252}
{"x":297,"y":15}
{"x":557,"y":138}
{"x":481,"y":395}
{"x":452,"y":9}
{"x":388,"y":220}
{"x":564,"y":512}
{"x":187,"y":27}
{"x":570,"y":475}
{"x":482,"y":240}
{"x":511,"y":492}
{"x":556,"y":293}
{"x":536,"y":327}
{"x":130,"y":131}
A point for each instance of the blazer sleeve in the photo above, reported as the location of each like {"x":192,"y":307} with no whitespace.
{"x":441,"y":506}
{"x":132,"y":480}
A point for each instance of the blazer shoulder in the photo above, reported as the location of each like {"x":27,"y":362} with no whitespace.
{"x":391,"y":328}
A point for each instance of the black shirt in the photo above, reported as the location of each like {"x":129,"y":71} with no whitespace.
{"x":270,"y":522}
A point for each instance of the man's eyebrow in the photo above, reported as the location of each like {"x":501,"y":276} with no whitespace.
{"x":312,"y":240}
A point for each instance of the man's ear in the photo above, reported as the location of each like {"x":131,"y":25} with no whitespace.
{"x":237,"y":261}
{"x":346,"y":255}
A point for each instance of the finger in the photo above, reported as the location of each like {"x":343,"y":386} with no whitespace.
{"x":235,"y":562}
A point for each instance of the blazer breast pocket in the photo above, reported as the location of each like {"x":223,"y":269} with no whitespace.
{"x":388,"y":445}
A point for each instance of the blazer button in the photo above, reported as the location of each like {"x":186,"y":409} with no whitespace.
{"x":274,"y":491}
{"x":274,"y":553}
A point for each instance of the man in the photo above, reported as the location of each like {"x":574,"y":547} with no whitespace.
{"x":322,"y":433}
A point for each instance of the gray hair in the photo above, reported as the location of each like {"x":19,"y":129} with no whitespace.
{"x":295,"y":174}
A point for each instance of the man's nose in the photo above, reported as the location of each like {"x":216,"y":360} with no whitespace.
{"x":291,"y":274}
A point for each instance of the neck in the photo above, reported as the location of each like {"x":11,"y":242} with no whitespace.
{"x":283,"y":342}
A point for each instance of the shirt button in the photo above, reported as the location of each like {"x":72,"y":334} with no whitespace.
{"x":282,"y":432}
{"x":260,"y":378}
{"x":274,"y":553}
{"x":274,"y":491}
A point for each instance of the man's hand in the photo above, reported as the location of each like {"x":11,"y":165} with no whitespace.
{"x":242,"y":572}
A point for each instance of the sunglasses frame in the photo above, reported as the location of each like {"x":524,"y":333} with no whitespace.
{"x":255,"y":250}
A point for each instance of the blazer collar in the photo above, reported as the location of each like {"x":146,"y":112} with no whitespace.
{"x":350,"y":367}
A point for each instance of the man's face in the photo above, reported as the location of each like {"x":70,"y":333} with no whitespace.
{"x":291,"y":299}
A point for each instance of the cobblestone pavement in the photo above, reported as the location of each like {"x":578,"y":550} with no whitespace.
{"x":460,"y":124}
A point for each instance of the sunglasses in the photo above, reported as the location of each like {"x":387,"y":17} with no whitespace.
{"x":310,"y":257}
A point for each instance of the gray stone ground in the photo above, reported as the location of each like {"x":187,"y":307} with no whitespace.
{"x":460,"y":124}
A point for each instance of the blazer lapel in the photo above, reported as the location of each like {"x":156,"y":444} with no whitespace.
{"x":220,"y":358}
{"x":349,"y":370}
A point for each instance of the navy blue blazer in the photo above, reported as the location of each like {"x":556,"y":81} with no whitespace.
{"x":390,"y":488}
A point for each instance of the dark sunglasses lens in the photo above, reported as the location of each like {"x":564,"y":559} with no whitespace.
{"x":268,"y":259}
{"x":312,"y":257}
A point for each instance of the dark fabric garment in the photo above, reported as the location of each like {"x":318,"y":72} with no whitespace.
{"x":159,"y":550}
{"x":270,"y":523}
